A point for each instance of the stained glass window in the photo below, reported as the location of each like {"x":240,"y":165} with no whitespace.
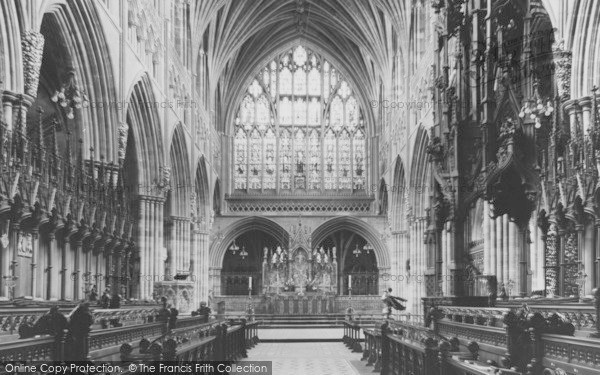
{"x":314,"y":150}
{"x":270,"y":166}
{"x":255,"y":160}
{"x":330,"y":160}
{"x":299,"y":128}
{"x":241,"y":159}
{"x":359,"y":160}
{"x":299,"y":160}
{"x":345,"y":169}
{"x":263,"y":114}
{"x":285,"y":146}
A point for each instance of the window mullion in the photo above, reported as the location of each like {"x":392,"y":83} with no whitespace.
{"x":248,"y":162}
{"x":322,"y":135}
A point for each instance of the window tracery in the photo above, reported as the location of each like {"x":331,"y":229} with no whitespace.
{"x":299,"y":128}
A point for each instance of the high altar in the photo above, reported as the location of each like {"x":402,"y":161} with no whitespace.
{"x":298,"y":279}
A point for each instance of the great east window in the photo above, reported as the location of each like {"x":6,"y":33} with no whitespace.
{"x":299,"y":129}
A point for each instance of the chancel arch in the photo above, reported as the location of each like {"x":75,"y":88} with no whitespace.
{"x":357,"y":272}
{"x":268,"y":230}
{"x":365,"y":233}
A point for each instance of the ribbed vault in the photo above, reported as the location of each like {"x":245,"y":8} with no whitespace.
{"x":361,"y":38}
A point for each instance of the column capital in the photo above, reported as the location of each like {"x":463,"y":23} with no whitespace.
{"x":152,"y":198}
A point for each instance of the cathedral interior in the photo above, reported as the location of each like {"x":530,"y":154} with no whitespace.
{"x":295,"y":164}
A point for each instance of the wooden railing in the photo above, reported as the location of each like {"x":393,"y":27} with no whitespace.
{"x":469,"y":341}
{"x":216,"y":341}
{"x":117,"y":336}
{"x":251,"y":334}
{"x":45,"y":348}
{"x":372,"y":352}
{"x":573,"y":355}
{"x":351,"y":337}
{"x":12,"y":318}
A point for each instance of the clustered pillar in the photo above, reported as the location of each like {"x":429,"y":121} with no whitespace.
{"x":150,"y":238}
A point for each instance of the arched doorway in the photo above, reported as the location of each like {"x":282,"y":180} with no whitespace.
{"x":357,"y":265}
{"x":243,"y":260}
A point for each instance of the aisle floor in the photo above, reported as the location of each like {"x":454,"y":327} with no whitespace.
{"x":310,"y":358}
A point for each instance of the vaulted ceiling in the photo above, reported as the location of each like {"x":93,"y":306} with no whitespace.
{"x":360,"y":37}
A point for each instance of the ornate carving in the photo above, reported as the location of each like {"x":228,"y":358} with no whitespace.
{"x":562,"y":62}
{"x":300,"y":236}
{"x":435,"y":149}
{"x":33,"y":49}
{"x":123,"y":133}
{"x":164,"y":183}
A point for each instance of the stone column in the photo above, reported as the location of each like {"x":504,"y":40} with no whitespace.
{"x":6,"y":263}
{"x":513,"y":256}
{"x":143,"y":244}
{"x":500,"y":237}
{"x":588,"y":257}
{"x":54,"y":257}
{"x":487,"y":246}
{"x":65,"y":279}
{"x":523,"y":251}
{"x":596,"y":276}
{"x":159,"y":267}
{"x":215,"y":280}
{"x":506,"y":248}
{"x":580,"y":247}
{"x":14,"y":240}
{"x":35,"y":244}
{"x":76,"y":274}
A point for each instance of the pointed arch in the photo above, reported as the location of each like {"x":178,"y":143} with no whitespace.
{"x":180,"y":174}
{"x":218,"y":248}
{"x":420,"y":173}
{"x":75,"y":25}
{"x":144,"y":121}
{"x":216,"y":200}
{"x":398,"y":201}
{"x":201,"y":189}
{"x":358,"y":226}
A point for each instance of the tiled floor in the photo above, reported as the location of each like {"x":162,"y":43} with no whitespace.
{"x":311,"y":358}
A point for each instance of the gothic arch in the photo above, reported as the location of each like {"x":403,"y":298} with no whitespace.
{"x":358,"y":226}
{"x":398,"y":201}
{"x":420,"y":173}
{"x":180,"y":181}
{"x":144,"y":120}
{"x":218,"y":248}
{"x":216,"y":198}
{"x":247,"y":74}
{"x":383,"y":198}
{"x":76,"y":23}
{"x":202,"y":189}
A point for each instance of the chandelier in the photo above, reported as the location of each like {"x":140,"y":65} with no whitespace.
{"x":234,"y":248}
{"x":368,"y":248}
{"x":356,"y":251}
{"x":535,"y":108}
{"x":243,"y":253}
{"x":70,"y":97}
